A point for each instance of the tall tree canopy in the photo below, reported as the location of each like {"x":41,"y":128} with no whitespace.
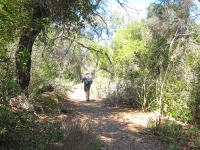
{"x":71,"y":15}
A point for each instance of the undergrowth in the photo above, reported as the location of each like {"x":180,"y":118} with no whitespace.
{"x":81,"y":135}
{"x":176,"y":136}
{"x":20,"y":129}
{"x":23,"y":130}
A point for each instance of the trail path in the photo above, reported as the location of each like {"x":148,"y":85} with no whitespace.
{"x":118,"y":128}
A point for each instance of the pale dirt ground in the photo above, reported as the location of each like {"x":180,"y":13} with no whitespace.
{"x":118,"y":128}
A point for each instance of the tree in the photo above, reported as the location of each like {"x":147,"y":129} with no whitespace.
{"x":66,"y":15}
{"x":70,"y":14}
{"x":173,"y":28}
{"x":12,"y":16}
{"x":130,"y":60}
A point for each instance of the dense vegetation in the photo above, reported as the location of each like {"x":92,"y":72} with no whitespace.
{"x":151,"y":64}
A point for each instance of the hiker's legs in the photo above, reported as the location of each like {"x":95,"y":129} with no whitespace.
{"x":87,"y":91}
{"x":87,"y":95}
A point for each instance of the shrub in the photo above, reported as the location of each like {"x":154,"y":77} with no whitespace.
{"x":81,"y":135}
{"x":22,"y":130}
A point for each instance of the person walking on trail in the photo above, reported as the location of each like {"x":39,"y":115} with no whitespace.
{"x":87,"y":79}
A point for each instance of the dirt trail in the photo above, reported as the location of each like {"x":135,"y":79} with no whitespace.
{"x":118,"y":128}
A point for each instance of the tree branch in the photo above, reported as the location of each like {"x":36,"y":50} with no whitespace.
{"x":87,"y":47}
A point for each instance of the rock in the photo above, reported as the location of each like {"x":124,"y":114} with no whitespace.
{"x":65,"y":110}
{"x":14,"y":102}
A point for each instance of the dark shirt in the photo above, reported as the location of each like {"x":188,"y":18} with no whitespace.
{"x":87,"y":86}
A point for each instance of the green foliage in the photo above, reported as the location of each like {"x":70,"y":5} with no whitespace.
{"x":12,"y":16}
{"x":24,"y":57}
{"x":170,"y":132}
{"x":177,"y":98}
{"x":23,"y":130}
{"x":49,"y":102}
{"x":151,"y":62}
{"x":173,"y":147}
{"x":129,"y":41}
{"x":176,"y":136}
{"x":195,"y":93}
{"x":20,"y":130}
{"x":154,"y":60}
{"x":98,"y":144}
{"x":130,"y":56}
{"x":8,"y":85}
{"x":6,"y":117}
{"x":104,"y":59}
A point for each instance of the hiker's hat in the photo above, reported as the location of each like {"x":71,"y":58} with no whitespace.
{"x":86,"y":72}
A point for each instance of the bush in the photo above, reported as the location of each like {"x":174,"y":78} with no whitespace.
{"x":176,"y":136}
{"x":22,"y":130}
{"x":81,"y":135}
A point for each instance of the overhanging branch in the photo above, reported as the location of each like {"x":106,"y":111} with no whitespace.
{"x":87,"y":47}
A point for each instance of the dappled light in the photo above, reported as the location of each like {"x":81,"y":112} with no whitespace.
{"x":117,"y":127}
{"x":99,"y":75}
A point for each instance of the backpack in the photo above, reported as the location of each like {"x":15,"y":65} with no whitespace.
{"x":87,"y":79}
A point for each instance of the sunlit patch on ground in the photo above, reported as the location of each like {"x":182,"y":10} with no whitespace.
{"x":77,"y":93}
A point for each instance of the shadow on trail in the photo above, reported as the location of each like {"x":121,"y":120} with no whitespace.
{"x":115,"y":129}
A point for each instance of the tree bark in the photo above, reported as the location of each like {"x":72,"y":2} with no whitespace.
{"x":23,"y":70}
{"x":27,"y":38}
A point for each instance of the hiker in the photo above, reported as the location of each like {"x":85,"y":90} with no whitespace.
{"x":87,"y":79}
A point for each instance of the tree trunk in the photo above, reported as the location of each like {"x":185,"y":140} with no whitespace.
{"x":23,"y":58}
{"x":27,"y":38}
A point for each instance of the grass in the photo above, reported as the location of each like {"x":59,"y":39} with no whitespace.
{"x":20,"y":129}
{"x":81,"y":135}
{"x":176,"y":136}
